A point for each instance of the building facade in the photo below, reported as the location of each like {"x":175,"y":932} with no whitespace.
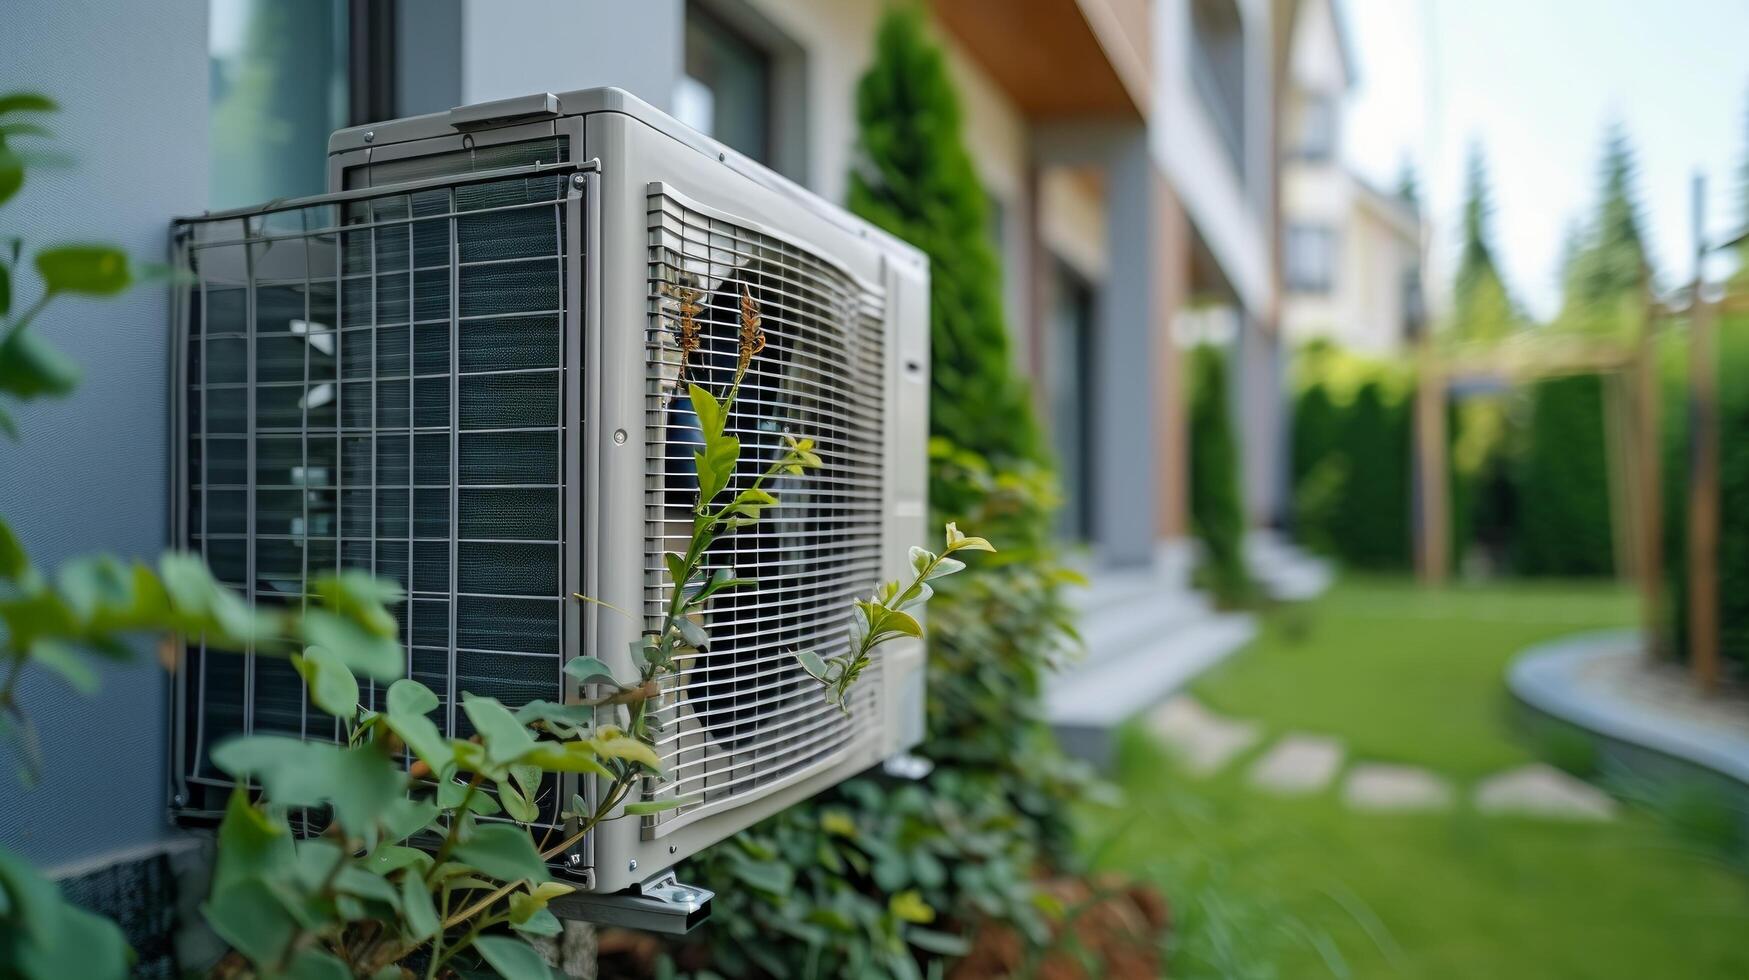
{"x":1351,"y":253}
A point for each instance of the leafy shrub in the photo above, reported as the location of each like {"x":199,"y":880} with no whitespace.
{"x":1215,"y":512}
{"x":1563,"y":480}
{"x":1372,"y":521}
{"x":879,"y":875}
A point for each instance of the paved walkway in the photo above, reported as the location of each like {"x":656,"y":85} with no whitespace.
{"x":1303,"y":763}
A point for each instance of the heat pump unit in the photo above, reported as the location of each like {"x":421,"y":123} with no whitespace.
{"x":459,"y":370}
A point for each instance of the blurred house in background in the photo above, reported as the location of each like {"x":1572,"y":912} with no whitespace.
{"x":1351,"y":254}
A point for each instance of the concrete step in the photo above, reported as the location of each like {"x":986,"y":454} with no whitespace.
{"x":1285,"y":572}
{"x":1092,"y":698}
{"x":1116,"y":629}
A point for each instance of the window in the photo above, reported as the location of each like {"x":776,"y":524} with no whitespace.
{"x":727,"y":91}
{"x":1317,"y":140}
{"x":284,"y":76}
{"x":1309,"y":258}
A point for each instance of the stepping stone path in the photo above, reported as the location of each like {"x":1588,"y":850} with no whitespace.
{"x":1303,"y":763}
{"x":1204,"y":740}
{"x":1543,"y":791}
{"x":1378,"y":786}
{"x":1298,"y":764}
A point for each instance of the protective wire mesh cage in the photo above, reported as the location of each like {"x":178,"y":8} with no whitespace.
{"x":741,"y":718}
{"x":378,"y":382}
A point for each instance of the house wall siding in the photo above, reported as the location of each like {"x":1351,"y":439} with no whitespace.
{"x":91,"y":471}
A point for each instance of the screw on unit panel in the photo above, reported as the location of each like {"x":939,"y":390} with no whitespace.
{"x":573,"y":860}
{"x":177,"y":800}
{"x":576,"y":180}
{"x":673,"y":848}
{"x":369,"y":135}
{"x":619,"y":437}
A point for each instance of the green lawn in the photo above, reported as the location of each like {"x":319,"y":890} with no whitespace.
{"x":1269,"y":888}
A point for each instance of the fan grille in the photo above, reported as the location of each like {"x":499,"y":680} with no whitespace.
{"x":741,"y":718}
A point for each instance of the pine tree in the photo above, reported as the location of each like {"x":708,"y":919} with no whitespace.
{"x":1609,"y":269}
{"x":1481,"y":307}
{"x":915,"y":179}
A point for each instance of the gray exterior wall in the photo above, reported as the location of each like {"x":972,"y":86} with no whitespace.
{"x":90,"y":472}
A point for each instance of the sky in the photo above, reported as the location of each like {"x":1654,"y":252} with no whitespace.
{"x":1535,"y":83}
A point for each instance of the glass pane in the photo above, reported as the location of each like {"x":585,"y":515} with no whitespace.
{"x":278,"y":77}
{"x":727,"y":92}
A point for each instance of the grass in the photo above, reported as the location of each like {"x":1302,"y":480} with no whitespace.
{"x":1405,"y":675}
{"x":1266,"y":888}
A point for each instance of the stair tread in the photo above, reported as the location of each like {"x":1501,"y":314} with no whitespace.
{"x":1105,"y":692}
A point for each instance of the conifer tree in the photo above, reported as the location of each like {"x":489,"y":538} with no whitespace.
{"x":1481,"y":307}
{"x":1609,"y":268}
{"x":914,"y":178}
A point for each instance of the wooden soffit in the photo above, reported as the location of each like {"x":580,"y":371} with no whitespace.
{"x":1059,"y":59}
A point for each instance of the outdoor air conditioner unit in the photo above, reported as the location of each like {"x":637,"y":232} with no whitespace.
{"x":458,"y":370}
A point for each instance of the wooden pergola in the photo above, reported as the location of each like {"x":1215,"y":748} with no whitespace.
{"x":1631,"y":420}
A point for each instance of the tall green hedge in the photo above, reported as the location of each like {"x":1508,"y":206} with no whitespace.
{"x":1563,"y":525}
{"x":1372,"y":528}
{"x":914,"y":178}
{"x":1216,"y":514}
{"x":1733,"y":492}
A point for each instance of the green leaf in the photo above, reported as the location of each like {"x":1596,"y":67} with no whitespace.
{"x":540,"y":922}
{"x":89,"y":270}
{"x":503,"y":851}
{"x":332,"y":686}
{"x":406,"y":817}
{"x":693,"y":634}
{"x":628,"y":749}
{"x":9,"y":130}
{"x":589,"y":670}
{"x":5,"y":289}
{"x":716,"y":464}
{"x":409,"y":697}
{"x":363,"y":651}
{"x":711,"y":416}
{"x":920,"y":559}
{"x":409,"y":703}
{"x":678,"y":573}
{"x":315,"y":964}
{"x":909,"y":906}
{"x":13,"y":561}
{"x":520,"y":808}
{"x":569,"y":756}
{"x":505,"y":739}
{"x":361,"y":783}
{"x":47,"y":937}
{"x":512,"y":958}
{"x":419,"y":912}
{"x":946,"y":566}
{"x":939,"y":943}
{"x":252,"y":845}
{"x":248,"y":917}
{"x":812,"y":663}
{"x":63,"y":659}
{"x":30,"y":368}
{"x":26,"y":102}
{"x":390,"y":858}
{"x":959,"y":542}
{"x":894,"y":621}
{"x":11,"y":174}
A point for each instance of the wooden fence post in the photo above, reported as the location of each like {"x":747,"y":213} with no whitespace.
{"x":1703,"y":478}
